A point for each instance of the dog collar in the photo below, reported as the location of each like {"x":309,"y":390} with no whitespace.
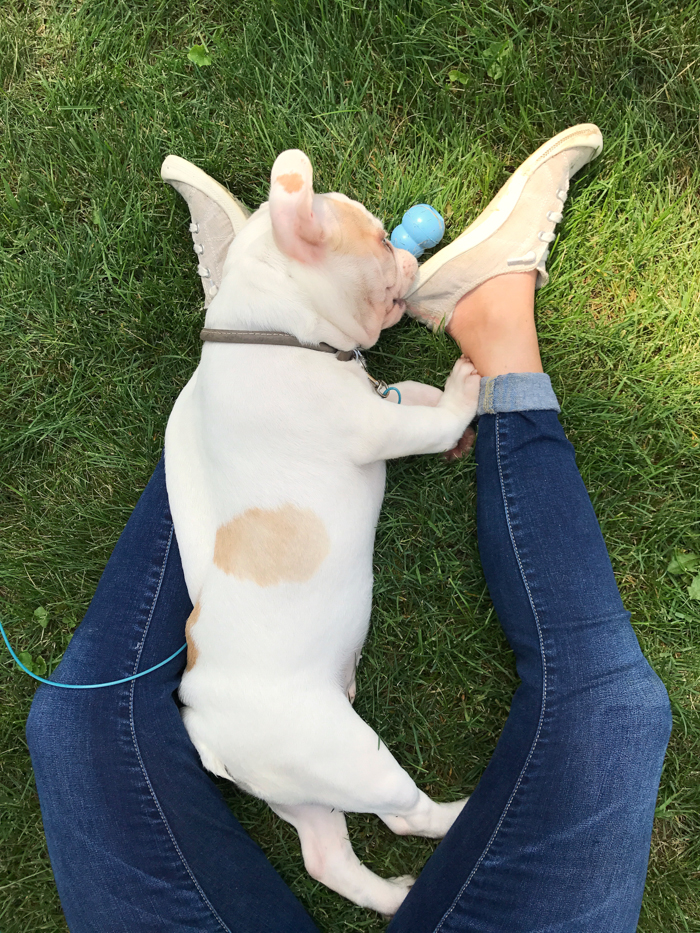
{"x":279,"y":338}
{"x":215,"y":335}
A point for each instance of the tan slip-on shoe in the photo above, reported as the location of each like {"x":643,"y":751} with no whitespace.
{"x":217,"y":217}
{"x":514,"y":231}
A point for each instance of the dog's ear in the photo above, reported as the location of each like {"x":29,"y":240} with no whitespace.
{"x":297,"y":230}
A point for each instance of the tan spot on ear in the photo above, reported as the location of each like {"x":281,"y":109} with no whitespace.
{"x":192,"y":652}
{"x":291,"y":182}
{"x":360,"y":233}
{"x":270,"y":546}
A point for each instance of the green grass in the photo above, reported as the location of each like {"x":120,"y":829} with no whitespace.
{"x":101,"y":310}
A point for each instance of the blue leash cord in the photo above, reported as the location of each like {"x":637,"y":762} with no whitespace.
{"x":392,"y":389}
{"x":111,"y":683}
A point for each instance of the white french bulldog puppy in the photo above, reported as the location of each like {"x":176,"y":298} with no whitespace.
{"x":275,"y":466}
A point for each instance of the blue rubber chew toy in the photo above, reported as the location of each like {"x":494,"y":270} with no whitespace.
{"x":421,"y":228}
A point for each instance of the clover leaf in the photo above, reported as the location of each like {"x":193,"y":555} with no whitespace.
{"x":41,"y":616}
{"x":198,"y":54}
{"x":459,"y":76}
{"x":683,"y":563}
{"x":694,"y":588}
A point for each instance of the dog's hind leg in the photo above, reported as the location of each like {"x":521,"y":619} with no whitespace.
{"x":354,"y":771}
{"x":427,"y":818}
{"x":330,"y":859}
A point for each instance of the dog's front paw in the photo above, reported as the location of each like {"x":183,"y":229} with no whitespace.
{"x":463,"y":446}
{"x":416,"y":393}
{"x":462,"y":388}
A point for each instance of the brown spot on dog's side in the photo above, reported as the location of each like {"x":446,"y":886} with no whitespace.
{"x":291,"y":182}
{"x":192,"y":652}
{"x":270,"y":546}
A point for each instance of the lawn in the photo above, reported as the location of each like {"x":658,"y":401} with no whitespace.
{"x":395,"y":103}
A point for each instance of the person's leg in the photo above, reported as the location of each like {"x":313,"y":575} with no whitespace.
{"x":139,"y":837}
{"x":556,"y":835}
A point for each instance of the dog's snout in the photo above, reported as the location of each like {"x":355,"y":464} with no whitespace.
{"x":408,"y":264}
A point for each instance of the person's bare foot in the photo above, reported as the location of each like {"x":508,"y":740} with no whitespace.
{"x":494,"y":325}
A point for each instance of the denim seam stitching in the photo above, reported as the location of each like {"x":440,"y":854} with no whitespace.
{"x":544,"y":686}
{"x":138,"y":750}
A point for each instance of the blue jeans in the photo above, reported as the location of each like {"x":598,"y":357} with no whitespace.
{"x":555,"y":838}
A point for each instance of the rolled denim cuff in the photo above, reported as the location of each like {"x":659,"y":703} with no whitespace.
{"x":516,"y":392}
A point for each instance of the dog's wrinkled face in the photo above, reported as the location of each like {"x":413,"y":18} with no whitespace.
{"x":341,"y":241}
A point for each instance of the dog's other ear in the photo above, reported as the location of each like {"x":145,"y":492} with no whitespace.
{"x":297,"y":230}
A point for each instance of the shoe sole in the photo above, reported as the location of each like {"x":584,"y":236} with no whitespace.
{"x":176,"y":169}
{"x":497,"y":212}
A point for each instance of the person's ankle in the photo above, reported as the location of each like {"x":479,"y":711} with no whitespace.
{"x":494,"y":325}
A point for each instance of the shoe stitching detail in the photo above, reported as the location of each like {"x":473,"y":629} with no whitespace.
{"x":138,"y":750}
{"x":544,"y":686}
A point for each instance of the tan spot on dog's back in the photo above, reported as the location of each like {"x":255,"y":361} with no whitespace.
{"x":270,"y":546}
{"x":192,"y":651}
{"x":291,"y":182}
